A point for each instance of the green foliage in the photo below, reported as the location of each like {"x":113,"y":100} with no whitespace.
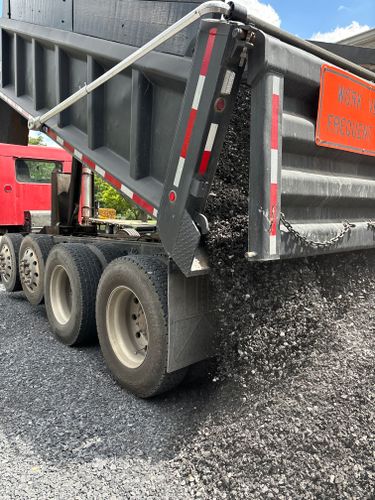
{"x":105,"y":194}
{"x":41,"y":171}
{"x":108,"y":197}
{"x":37,"y":140}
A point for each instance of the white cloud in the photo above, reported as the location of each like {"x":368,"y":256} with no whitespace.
{"x":340,"y":33}
{"x":264,"y":11}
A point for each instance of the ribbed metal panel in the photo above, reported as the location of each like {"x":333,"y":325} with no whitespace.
{"x":317,"y":188}
{"x":132,"y":22}
{"x":126,"y":126}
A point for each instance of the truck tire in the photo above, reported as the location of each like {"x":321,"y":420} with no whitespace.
{"x":107,"y":252}
{"x":132,"y":322}
{"x":71,"y":278}
{"x":9,"y":251}
{"x":33,"y":254}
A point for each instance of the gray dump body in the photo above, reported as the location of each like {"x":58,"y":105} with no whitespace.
{"x":155,"y":131}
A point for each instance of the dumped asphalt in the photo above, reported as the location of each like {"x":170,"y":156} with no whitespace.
{"x":297,"y":412}
{"x":287,"y":413}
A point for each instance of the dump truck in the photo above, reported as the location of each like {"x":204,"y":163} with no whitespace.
{"x":141,"y":93}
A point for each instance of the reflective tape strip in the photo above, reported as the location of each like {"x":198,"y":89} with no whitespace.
{"x":273,"y":245}
{"x":52,"y":135}
{"x":189,"y":131}
{"x":99,"y":171}
{"x":69,"y":147}
{"x":208,"y":51}
{"x":208,"y":148}
{"x":88,"y":162}
{"x":274,"y":167}
{"x":102,"y":173}
{"x":273,"y":203}
{"x":195,"y":106}
{"x":198,"y":92}
{"x":112,"y":180}
{"x":142,"y":203}
{"x":179,"y":170}
{"x":15,"y":106}
{"x":211,"y":136}
{"x":275,"y":121}
{"x":276,"y":83}
{"x":206,"y":156}
{"x":127,"y":192}
{"x":78,"y":154}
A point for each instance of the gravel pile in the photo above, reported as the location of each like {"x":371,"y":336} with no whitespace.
{"x":296,"y":412}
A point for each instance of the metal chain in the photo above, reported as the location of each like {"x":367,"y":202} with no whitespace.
{"x":307,"y":242}
{"x":248,"y":44}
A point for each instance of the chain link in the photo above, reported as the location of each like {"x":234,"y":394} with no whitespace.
{"x":307,"y":242}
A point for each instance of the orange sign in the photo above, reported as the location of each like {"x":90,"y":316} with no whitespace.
{"x":346,"y":115}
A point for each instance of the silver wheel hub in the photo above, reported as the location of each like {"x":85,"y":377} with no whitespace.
{"x":127,"y":327}
{"x":61,"y":295}
{"x":6,"y":263}
{"x":29,"y":270}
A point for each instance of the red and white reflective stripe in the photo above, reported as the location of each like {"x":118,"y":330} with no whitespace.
{"x":15,"y":106}
{"x":195,"y":105}
{"x":102,"y":173}
{"x":208,"y":148}
{"x":275,"y":154}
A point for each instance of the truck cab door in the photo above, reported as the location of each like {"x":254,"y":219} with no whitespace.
{"x":8,"y":191}
{"x":33,"y":180}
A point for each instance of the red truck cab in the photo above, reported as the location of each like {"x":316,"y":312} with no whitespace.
{"x":25,"y":184}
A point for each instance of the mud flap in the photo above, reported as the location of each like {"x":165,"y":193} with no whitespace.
{"x":191,"y":319}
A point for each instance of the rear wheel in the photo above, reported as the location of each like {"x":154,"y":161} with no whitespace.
{"x":9,"y":251}
{"x":34,"y":251}
{"x":71,"y":280}
{"x":132,"y":322}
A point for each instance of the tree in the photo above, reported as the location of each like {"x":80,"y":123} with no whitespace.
{"x":108,"y":197}
{"x":105,"y":194}
{"x":37,"y":140}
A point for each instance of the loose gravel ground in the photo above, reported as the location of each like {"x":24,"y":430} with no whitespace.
{"x":68,"y":431}
{"x":289,"y":412}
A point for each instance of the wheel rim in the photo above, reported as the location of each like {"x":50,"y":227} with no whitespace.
{"x":29,"y":270}
{"x":61,"y":295}
{"x":6,"y":263}
{"x":127,"y":327}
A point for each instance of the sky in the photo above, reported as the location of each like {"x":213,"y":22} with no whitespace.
{"x":325,"y":20}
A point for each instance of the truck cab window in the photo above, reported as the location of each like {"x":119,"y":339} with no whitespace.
{"x":36,"y":171}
